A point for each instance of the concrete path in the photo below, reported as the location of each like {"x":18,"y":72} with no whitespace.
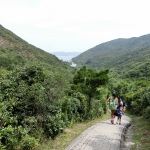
{"x":101,"y":136}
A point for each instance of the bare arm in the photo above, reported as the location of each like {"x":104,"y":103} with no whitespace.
{"x":108,"y":100}
{"x":116,"y":101}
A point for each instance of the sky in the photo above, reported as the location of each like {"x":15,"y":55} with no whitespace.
{"x":74,"y":25}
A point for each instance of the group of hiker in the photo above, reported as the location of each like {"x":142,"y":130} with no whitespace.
{"x":117,"y":108}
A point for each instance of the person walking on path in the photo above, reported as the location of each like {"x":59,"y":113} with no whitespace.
{"x":113,"y":103}
{"x":121,"y":103}
{"x":120,"y":112}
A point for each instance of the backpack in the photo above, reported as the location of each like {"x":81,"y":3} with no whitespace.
{"x":112,"y":104}
{"x":117,"y":112}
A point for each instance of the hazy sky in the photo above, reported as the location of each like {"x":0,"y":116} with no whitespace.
{"x":74,"y":25}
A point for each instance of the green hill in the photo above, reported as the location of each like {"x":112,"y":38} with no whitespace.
{"x":32,"y":84}
{"x":40,"y":95}
{"x":15,"y":52}
{"x":127,"y":57}
{"x":37,"y":102}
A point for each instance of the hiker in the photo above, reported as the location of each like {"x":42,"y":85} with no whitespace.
{"x":113,"y":102}
{"x":121,"y":103}
{"x":120,"y":112}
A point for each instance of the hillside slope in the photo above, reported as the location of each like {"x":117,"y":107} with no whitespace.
{"x":128,"y":57}
{"x":14,"y":52}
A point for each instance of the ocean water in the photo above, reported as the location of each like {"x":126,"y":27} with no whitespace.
{"x":65,"y":58}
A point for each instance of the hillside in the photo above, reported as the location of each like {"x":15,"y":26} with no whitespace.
{"x":41,"y":95}
{"x":14,"y":52}
{"x":37,"y":101}
{"x":33,"y":84}
{"x":127,"y":57}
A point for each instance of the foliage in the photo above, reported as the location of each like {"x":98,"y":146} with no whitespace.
{"x":136,"y":96}
{"x":17,"y":138}
{"x":140,"y":132}
{"x":103,"y":94}
{"x":29,"y":100}
{"x":6,"y":63}
{"x":31,"y":83}
{"x":41,"y":95}
{"x":36,"y":100}
{"x":87,"y":81}
{"x":71,"y":110}
{"x":17,"y":53}
{"x":145,"y":103}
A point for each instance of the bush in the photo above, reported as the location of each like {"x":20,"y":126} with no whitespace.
{"x":96,"y":109}
{"x":6,"y":63}
{"x":146,"y":113}
{"x":29,"y":99}
{"x":146,"y":97}
{"x":103,"y":93}
{"x":71,"y":107}
{"x":53,"y":125}
{"x":16,"y":138}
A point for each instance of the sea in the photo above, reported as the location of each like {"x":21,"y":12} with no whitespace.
{"x":67,"y":58}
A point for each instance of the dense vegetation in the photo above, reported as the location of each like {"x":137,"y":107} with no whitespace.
{"x":41,"y":95}
{"x":34,"y":106}
{"x":129,"y":64}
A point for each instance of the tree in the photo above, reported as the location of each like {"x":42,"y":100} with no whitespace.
{"x":87,"y":81}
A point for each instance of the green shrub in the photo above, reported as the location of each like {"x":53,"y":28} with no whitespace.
{"x":53,"y":125}
{"x":6,"y":63}
{"x":96,"y":109}
{"x":28,"y":143}
{"x":146,"y":113}
{"x":70,"y":107}
{"x":16,"y":138}
{"x":103,"y":93}
{"x":146,"y":97}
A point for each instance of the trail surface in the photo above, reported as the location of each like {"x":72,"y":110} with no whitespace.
{"x":102,"y":136}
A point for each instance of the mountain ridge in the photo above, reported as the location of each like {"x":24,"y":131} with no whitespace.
{"x":117,"y":54}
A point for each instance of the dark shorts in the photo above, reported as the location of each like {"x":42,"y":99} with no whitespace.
{"x":119,"y":116}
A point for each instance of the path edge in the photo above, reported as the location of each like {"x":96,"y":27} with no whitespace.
{"x":123,"y":133}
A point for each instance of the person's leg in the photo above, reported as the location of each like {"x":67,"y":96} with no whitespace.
{"x":120,"y":120}
{"x":117,"y":120}
{"x":112,"y":115}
